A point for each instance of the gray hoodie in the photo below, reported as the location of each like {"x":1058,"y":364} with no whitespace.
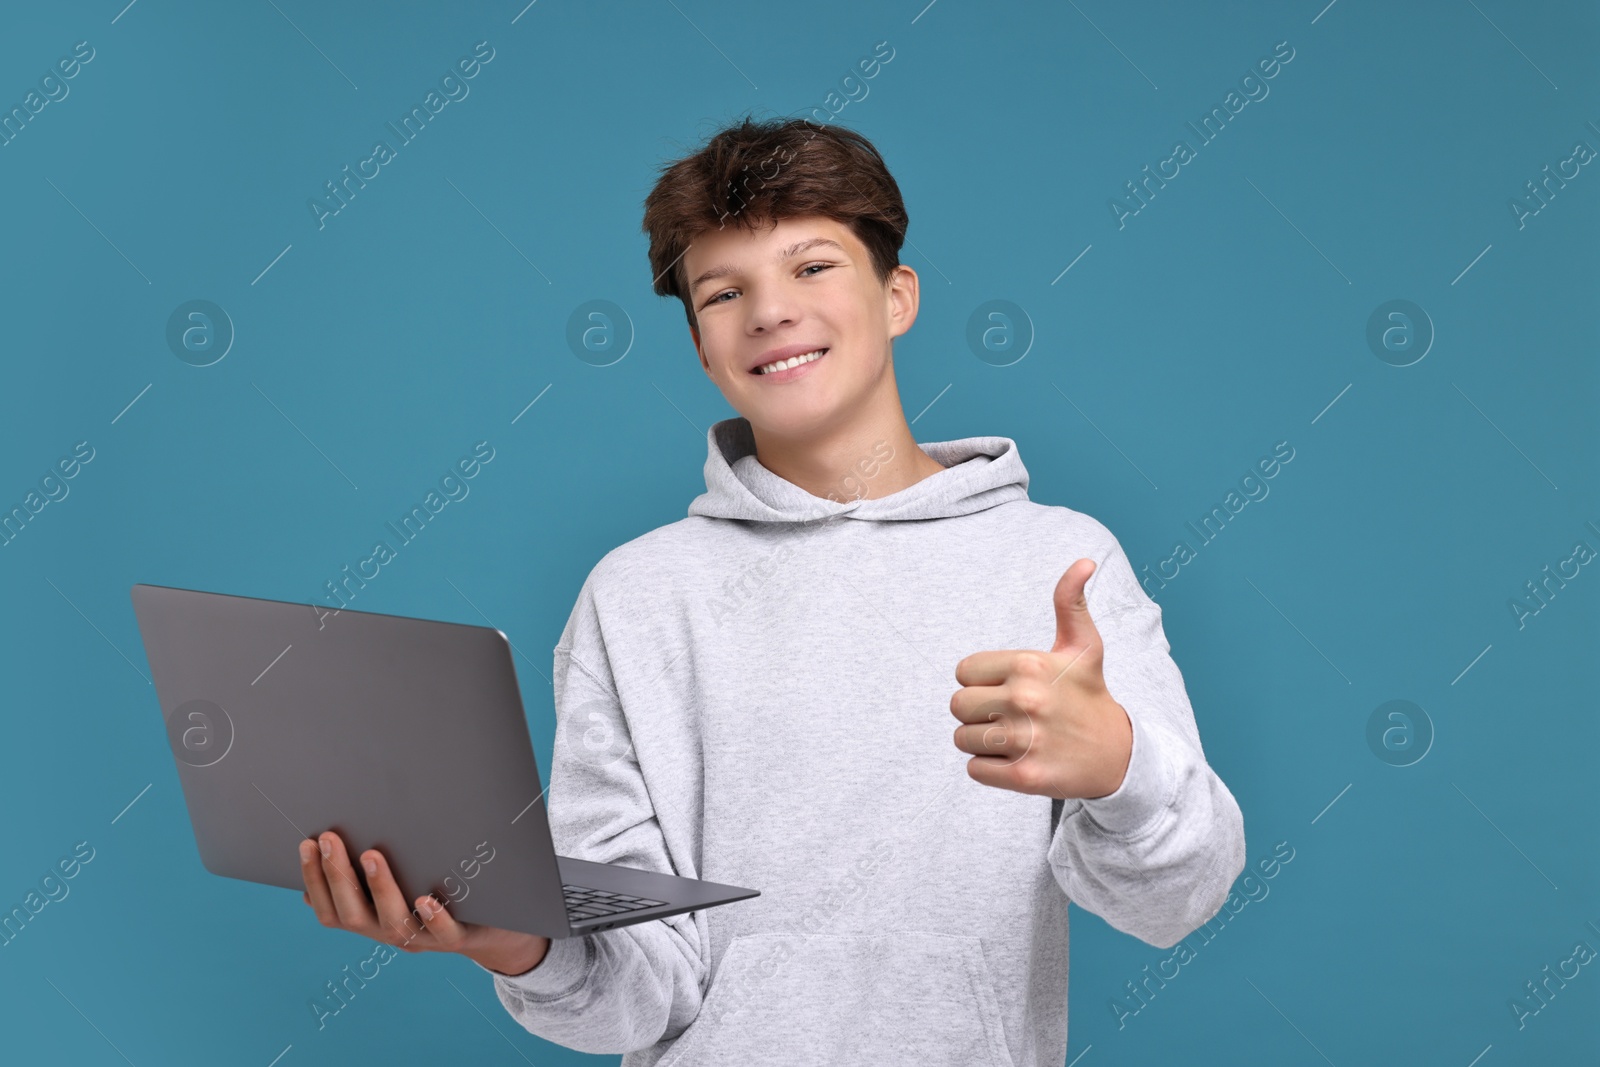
{"x":759,"y":694}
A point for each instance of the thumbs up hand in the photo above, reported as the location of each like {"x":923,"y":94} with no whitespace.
{"x":1044,"y":722}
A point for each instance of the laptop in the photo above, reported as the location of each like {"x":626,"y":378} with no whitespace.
{"x":406,"y":735}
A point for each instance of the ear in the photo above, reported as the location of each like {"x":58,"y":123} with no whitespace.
{"x":903,"y":297}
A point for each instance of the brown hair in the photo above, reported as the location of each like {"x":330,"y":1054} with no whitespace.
{"x":756,"y":172}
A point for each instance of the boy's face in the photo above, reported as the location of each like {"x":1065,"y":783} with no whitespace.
{"x":777,"y":296}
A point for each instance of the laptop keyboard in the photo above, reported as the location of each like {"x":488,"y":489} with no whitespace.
{"x":586,"y":903}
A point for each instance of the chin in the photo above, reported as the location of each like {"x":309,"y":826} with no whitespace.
{"x":788,"y":419}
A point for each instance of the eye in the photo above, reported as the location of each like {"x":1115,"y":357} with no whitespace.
{"x":729,"y":292}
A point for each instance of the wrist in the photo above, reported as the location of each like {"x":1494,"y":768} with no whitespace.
{"x":1122,"y":751}
{"x":514,"y":960}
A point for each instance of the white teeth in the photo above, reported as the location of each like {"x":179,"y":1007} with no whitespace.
{"x":785,"y":364}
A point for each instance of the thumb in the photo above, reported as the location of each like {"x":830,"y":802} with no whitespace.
{"x":1074,"y":627}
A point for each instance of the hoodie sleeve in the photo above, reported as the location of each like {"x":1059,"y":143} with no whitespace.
{"x":618,"y":990}
{"x":1157,"y":857}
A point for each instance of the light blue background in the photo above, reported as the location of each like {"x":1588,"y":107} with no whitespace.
{"x":1226,"y":316}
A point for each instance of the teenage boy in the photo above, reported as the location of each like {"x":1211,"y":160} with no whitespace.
{"x":757,"y":694}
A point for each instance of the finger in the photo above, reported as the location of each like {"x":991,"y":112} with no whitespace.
{"x":349,"y":899}
{"x":980,"y":703}
{"x":1074,"y":627}
{"x":989,"y":667}
{"x":1025,"y":692}
{"x":399,"y":927}
{"x":1005,"y":740}
{"x":316,"y":893}
{"x":1017,"y":775}
{"x":448,"y":934}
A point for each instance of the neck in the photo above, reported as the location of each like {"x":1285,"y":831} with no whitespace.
{"x":865,"y":454}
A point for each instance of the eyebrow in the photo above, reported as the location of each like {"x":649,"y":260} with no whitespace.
{"x":788,"y":253}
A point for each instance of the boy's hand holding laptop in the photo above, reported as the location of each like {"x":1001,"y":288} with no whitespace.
{"x":336,"y":895}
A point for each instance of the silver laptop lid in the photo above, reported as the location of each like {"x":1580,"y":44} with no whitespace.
{"x":401,"y":734}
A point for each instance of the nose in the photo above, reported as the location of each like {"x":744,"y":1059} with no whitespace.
{"x":771,"y":309}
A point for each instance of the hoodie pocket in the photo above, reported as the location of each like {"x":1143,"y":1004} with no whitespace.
{"x":899,"y":997}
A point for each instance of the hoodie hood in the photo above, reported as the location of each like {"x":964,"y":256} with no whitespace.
{"x":980,"y":472}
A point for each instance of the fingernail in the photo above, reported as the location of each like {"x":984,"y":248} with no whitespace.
{"x":425,"y":909}
{"x":305,"y":851}
{"x":370,"y":864}
{"x":327,"y":848}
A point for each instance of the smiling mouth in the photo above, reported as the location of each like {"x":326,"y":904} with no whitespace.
{"x":788,"y":364}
